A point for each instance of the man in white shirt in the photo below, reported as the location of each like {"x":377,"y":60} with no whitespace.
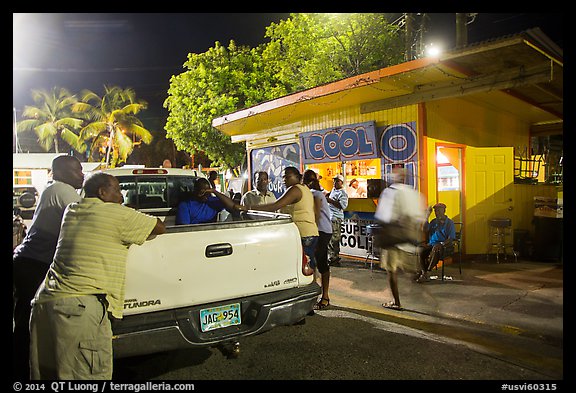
{"x":260,"y":195}
{"x":402,"y":204}
{"x":338,"y":201}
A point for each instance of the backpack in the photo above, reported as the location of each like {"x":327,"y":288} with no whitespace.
{"x":403,"y":230}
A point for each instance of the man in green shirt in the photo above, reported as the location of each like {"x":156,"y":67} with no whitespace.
{"x":70,"y":330}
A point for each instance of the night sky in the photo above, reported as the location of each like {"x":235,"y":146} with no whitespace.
{"x":143,"y":50}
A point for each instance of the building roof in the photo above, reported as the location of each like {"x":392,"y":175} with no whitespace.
{"x":522,"y":73}
{"x":34,"y":160}
{"x":44,"y":161}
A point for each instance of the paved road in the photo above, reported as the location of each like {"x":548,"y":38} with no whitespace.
{"x":347,"y":344}
{"x":495,"y":322}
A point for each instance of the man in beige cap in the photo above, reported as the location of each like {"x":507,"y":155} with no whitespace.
{"x":338,"y":201}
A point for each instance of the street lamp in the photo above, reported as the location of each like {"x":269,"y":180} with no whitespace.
{"x":433,"y":50}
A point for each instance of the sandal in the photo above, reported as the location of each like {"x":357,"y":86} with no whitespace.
{"x":423,"y":278}
{"x":322,"y":304}
{"x":392,"y":305}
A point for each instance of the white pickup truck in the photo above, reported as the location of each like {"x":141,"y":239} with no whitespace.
{"x":206,"y":284}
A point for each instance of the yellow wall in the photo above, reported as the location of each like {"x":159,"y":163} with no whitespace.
{"x":464,"y":121}
{"x":452,"y":201}
{"x":468,"y":123}
{"x":352,"y":115}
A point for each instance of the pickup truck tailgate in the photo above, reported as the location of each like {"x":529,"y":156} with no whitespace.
{"x":199,"y":264}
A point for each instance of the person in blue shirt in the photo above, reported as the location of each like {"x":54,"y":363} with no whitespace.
{"x":440,"y":232}
{"x":202,"y":206}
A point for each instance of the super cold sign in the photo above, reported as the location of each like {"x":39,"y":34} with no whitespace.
{"x":352,"y":142}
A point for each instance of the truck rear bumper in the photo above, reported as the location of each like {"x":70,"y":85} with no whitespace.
{"x":176,"y":329}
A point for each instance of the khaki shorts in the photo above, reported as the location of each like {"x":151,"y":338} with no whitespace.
{"x":393,"y":259}
{"x":70,"y":338}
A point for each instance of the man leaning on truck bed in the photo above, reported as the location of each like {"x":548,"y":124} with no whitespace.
{"x":70,"y":330}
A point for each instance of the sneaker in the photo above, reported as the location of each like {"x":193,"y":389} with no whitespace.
{"x":335,"y":262}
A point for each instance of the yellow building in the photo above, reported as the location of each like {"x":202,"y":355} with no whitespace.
{"x":465,"y":125}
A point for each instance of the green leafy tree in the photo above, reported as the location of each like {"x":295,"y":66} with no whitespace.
{"x":308,"y":50}
{"x":216,"y":82}
{"x":304,"y":51}
{"x":113,"y":125}
{"x":51,"y":119}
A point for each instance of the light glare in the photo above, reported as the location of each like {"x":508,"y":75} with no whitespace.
{"x":433,"y":50}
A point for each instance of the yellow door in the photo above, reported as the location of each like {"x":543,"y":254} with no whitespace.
{"x":488,"y":193}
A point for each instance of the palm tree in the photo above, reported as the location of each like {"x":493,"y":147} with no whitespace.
{"x":113,"y":126}
{"x":51,"y":118}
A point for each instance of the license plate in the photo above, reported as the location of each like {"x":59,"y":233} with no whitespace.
{"x":220,"y":317}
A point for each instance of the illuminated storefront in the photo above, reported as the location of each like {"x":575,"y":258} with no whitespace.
{"x":456,"y":124}
{"x":363,"y":153}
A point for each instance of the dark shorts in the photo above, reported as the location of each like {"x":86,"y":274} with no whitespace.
{"x":322,"y":252}
{"x":309,"y":246}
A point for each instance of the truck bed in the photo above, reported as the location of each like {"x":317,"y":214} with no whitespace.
{"x":205,"y":263}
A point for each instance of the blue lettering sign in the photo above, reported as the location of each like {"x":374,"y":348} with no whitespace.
{"x":352,"y":142}
{"x":398,"y":143}
{"x":315,"y":144}
{"x":331,"y":145}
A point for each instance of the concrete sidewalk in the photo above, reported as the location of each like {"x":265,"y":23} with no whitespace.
{"x":522,"y":298}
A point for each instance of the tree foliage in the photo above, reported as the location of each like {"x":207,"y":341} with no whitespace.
{"x":52,"y":119}
{"x":304,"y":51}
{"x":216,"y":82}
{"x":308,"y":50}
{"x":112,"y":123}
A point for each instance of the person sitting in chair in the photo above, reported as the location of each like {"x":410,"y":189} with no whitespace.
{"x":440,"y":233}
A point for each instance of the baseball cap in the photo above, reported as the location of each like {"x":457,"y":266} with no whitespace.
{"x":339,"y":177}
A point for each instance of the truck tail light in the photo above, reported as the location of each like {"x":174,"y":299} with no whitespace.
{"x":149,"y":172}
